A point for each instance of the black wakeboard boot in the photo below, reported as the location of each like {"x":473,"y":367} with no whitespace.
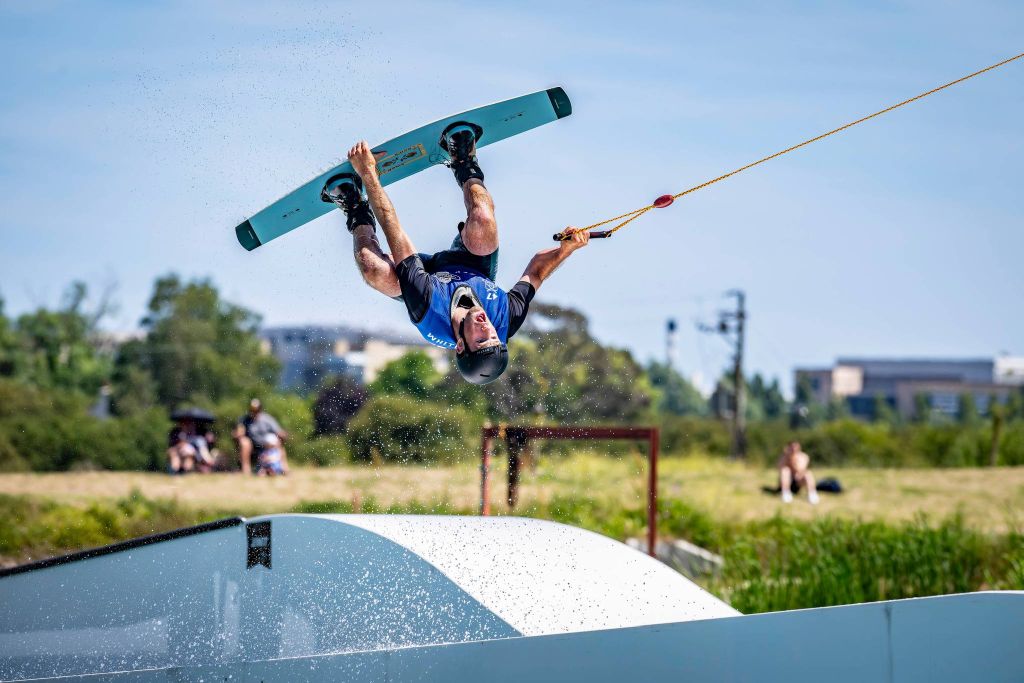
{"x":459,"y":140}
{"x":346,"y":191}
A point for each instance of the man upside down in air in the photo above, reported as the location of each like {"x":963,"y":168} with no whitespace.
{"x":450,"y":296}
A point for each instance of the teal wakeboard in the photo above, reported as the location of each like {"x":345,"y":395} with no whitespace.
{"x":405,"y":155}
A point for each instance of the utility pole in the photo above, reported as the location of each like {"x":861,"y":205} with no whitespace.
{"x":732,"y":326}
{"x":670,"y":343}
{"x":739,"y":434}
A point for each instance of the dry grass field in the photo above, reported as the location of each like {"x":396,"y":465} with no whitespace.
{"x":989,"y":499}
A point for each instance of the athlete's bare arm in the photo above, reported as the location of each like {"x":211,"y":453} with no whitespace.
{"x":547,"y":261}
{"x":365,"y":164}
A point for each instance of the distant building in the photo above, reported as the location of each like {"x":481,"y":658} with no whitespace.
{"x":310,"y":353}
{"x":860,"y":381}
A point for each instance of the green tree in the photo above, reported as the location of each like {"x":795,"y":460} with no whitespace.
{"x":804,"y":391}
{"x":806,"y":411}
{"x":774,"y":402}
{"x":967,"y":410}
{"x":57,"y":348}
{"x":922,"y":408}
{"x":764,"y":401}
{"x":198,"y":345}
{"x":134,"y":388}
{"x":9,"y":347}
{"x":882,"y":411}
{"x":412,"y":375}
{"x":837,"y":409}
{"x":997,"y":413}
{"x":754,"y":398}
{"x":559,"y":371}
{"x":723,"y":400}
{"x":400,"y":429}
{"x":337,"y":402}
{"x":1015,"y":405}
{"x":676,"y":394}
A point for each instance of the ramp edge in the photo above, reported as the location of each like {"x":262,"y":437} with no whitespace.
{"x":123,"y":545}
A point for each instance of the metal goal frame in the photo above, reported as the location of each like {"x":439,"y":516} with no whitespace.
{"x":517,"y":439}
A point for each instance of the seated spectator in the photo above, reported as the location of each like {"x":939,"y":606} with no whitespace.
{"x":181,"y":457}
{"x":251,"y":434}
{"x":187,"y":451}
{"x":218,"y":461}
{"x":272,"y":460}
{"x":206,"y":461}
{"x":795,"y":472}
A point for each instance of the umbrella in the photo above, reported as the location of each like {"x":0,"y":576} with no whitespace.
{"x":197,"y":414}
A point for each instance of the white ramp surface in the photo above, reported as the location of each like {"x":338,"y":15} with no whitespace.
{"x":335,"y":584}
{"x":544,"y":578}
{"x":384,"y":599}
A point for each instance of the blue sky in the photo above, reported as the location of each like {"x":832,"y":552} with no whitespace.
{"x":134,"y":136}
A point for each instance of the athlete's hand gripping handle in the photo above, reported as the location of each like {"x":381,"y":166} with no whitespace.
{"x":567,"y":234}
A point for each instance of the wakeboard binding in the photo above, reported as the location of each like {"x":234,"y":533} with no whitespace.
{"x":346,"y":191}
{"x":459,"y":141}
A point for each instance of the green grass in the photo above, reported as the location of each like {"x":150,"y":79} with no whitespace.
{"x":36,"y":528}
{"x":788,"y":564}
{"x":989,"y":499}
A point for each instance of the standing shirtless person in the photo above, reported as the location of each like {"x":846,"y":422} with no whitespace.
{"x":450,"y":296}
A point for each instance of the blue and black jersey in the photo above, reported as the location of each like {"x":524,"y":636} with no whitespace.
{"x":427,"y":291}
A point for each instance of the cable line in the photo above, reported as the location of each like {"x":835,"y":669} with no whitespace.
{"x":665,"y":200}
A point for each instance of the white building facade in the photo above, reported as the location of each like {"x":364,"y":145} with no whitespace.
{"x":902,"y":381}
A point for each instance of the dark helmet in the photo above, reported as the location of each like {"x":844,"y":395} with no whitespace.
{"x":482,"y":366}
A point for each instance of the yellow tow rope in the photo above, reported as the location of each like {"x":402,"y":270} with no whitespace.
{"x":667,"y":199}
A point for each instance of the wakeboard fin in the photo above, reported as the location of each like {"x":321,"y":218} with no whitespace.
{"x":560,"y":102}
{"x":247,"y":236}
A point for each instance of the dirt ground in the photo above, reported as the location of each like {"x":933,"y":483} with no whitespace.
{"x":989,"y":499}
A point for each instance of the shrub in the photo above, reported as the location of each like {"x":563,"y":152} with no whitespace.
{"x":20,"y":400}
{"x":681,"y":520}
{"x":10,"y":458}
{"x":969,"y":449}
{"x":51,"y":442}
{"x":402,"y":430}
{"x":1011,"y":445}
{"x":322,"y":451}
{"x":687,"y":435}
{"x":46,"y":430}
{"x":596,"y":515}
{"x":411,"y":375}
{"x":766,"y":439}
{"x":337,"y":403}
{"x":848,"y":441}
{"x":934,"y":442}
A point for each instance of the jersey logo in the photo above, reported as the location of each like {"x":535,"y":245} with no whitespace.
{"x":492,"y":290}
{"x":439,"y":342}
{"x":445,"y":277}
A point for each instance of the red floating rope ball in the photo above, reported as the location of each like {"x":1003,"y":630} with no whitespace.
{"x":663,"y":201}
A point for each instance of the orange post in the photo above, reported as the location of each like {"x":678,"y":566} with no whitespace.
{"x":652,"y":493}
{"x":485,"y":472}
{"x":519,"y":437}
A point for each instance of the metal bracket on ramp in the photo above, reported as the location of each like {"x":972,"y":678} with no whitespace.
{"x":258,"y":537}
